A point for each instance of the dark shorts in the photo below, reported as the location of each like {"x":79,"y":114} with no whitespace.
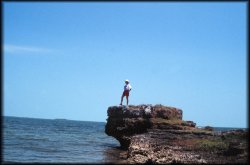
{"x":125,"y":93}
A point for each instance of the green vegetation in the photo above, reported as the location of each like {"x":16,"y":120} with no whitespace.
{"x":231,"y":137}
{"x":200,"y":131}
{"x":211,"y":145}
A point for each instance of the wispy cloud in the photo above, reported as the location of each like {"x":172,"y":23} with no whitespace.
{"x":25,"y":49}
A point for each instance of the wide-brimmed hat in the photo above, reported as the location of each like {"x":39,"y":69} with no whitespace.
{"x":127,"y":80}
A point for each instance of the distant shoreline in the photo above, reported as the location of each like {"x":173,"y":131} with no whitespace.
{"x":62,"y":119}
{"x":58,"y":119}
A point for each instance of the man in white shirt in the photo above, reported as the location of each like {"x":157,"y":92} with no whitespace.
{"x":127,"y":89}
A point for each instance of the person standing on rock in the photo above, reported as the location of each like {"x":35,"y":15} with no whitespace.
{"x":127,"y":89}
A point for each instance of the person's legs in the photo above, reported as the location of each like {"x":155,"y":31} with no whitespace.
{"x":122,"y":99}
{"x":127,"y":99}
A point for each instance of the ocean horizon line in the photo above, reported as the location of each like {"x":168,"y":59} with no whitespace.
{"x":55,"y":119}
{"x":64,"y":119}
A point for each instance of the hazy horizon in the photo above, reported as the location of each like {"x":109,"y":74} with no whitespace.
{"x":106,"y":121}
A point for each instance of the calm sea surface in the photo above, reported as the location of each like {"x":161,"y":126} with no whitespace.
{"x":45,"y":140}
{"x":60,"y":141}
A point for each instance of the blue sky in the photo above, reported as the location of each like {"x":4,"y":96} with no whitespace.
{"x":70,"y":60}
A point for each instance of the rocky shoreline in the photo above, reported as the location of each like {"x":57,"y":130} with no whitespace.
{"x":157,"y":134}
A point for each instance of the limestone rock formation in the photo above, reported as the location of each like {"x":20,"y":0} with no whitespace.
{"x":123,"y":122}
{"x":157,"y":134}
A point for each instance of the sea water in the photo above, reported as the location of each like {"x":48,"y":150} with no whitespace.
{"x":29,"y":140}
{"x":60,"y":141}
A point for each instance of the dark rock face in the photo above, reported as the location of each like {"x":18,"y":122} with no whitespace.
{"x":123,"y":122}
{"x":157,"y":134}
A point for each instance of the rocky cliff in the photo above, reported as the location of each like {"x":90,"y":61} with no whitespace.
{"x":157,"y":134}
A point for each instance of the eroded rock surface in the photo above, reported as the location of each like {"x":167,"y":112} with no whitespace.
{"x":157,"y":134}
